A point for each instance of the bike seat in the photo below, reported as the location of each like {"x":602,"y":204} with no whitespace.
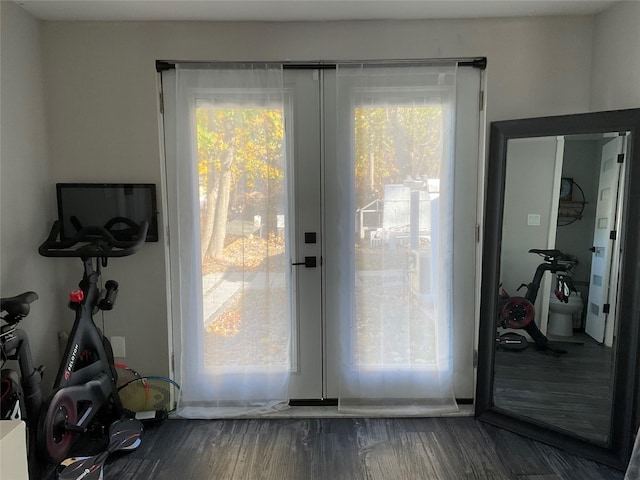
{"x":17,"y":307}
{"x":554,"y":255}
{"x":546,"y":253}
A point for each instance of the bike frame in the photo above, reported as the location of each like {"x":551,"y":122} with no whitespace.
{"x":81,"y":390}
{"x":534,"y":286}
{"x":86,"y":336}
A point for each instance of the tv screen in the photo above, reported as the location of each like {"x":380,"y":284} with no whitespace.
{"x":83,"y":204}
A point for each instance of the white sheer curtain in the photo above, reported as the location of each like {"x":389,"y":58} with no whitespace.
{"x":394,"y":175}
{"x":224,"y":131}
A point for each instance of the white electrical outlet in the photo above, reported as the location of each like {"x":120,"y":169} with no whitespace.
{"x":533,"y":219}
{"x":118,"y":346}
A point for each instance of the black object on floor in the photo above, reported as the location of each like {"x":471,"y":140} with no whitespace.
{"x":124,"y":435}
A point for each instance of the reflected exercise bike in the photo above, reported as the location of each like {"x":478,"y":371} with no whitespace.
{"x":518,"y":312}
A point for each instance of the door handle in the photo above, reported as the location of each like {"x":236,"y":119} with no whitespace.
{"x":309,"y":262}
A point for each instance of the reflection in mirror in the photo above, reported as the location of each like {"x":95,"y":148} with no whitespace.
{"x":555,"y":356}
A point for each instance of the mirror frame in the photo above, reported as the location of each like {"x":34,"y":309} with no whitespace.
{"x":624,"y":419}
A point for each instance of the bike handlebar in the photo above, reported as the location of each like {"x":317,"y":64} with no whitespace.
{"x":100,"y":242}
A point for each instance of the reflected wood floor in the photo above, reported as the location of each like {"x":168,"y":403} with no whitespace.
{"x":572,"y":392}
{"x":452,"y":448}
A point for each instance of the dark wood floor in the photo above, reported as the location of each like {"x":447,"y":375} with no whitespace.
{"x":350,"y":449}
{"x":571,"y":392}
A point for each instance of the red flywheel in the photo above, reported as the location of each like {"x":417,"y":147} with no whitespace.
{"x":518,"y":312}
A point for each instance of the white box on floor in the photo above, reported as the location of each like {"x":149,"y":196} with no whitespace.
{"x":13,"y":450}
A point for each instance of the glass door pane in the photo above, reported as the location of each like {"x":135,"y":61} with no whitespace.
{"x":243,"y":204}
{"x":398,"y":152}
{"x":400,"y":293}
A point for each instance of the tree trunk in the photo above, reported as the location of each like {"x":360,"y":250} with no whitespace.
{"x":221,"y":207}
{"x":209,"y":213}
{"x":402,"y":142}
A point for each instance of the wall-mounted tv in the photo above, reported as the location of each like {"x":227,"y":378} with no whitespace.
{"x":82,"y":204}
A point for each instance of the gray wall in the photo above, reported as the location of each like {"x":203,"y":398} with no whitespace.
{"x":25,"y":183}
{"x":530,"y":162}
{"x":615,"y":75}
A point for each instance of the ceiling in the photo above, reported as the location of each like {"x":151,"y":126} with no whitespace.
{"x":301,"y":10}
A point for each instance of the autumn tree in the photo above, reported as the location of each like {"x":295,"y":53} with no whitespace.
{"x":241,"y":159}
{"x":394,"y":143}
{"x":237,"y":147}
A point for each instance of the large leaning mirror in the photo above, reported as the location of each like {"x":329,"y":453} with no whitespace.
{"x":560,"y":298}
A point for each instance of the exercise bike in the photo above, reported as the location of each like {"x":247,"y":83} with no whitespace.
{"x":85,"y":384}
{"x":519,"y":312}
{"x":21,"y":394}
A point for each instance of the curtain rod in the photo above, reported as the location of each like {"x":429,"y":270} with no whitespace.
{"x":479,"y":62}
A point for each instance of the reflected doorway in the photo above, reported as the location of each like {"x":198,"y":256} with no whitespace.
{"x":593,"y":167}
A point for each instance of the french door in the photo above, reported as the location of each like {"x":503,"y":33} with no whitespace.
{"x":282,"y":264}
